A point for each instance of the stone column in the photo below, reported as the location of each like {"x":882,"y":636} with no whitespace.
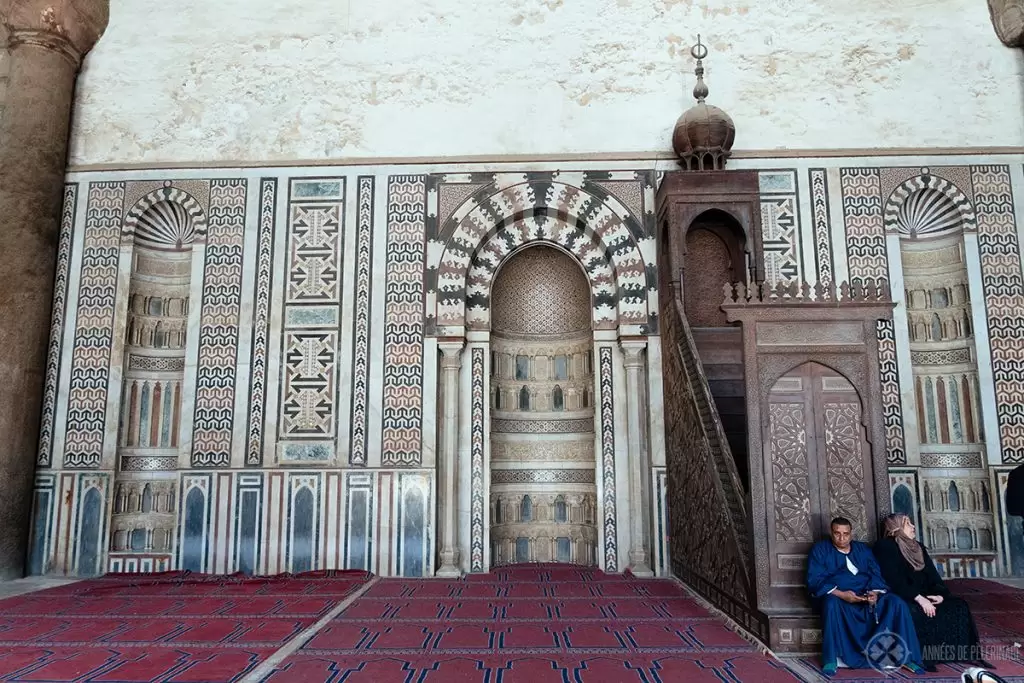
{"x":1008,"y":21}
{"x":46,"y":50}
{"x":451,"y":367}
{"x":632,"y":352}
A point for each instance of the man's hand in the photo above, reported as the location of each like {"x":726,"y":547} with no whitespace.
{"x":926,"y":605}
{"x":935,"y":599}
{"x":850,"y":597}
{"x":872,"y":597}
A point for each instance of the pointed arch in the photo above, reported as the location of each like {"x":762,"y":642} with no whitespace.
{"x":524,"y":399}
{"x":526,"y":509}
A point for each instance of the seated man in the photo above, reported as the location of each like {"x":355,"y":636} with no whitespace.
{"x":845,"y":580}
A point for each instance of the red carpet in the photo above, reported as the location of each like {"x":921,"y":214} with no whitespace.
{"x":999,"y":613}
{"x":174,"y":626}
{"x":532,"y":623}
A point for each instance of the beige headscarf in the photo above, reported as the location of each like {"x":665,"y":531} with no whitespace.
{"x":909,"y":547}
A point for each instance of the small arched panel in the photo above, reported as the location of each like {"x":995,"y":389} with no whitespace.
{"x":715,"y":256}
{"x":89,"y":535}
{"x":903,"y":501}
{"x":303,"y":512}
{"x":194,"y":531}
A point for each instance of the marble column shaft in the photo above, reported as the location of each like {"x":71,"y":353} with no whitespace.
{"x":451,"y":367}
{"x":638,"y":467}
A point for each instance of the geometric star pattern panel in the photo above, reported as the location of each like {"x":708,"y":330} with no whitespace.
{"x":314,"y":242}
{"x":309,"y":366}
{"x":1003,"y":287}
{"x":780,"y":227}
{"x":261,"y":323}
{"x":218,"y":328}
{"x":94,"y":327}
{"x":401,"y":442}
{"x":316,"y":236}
{"x":57,"y":317}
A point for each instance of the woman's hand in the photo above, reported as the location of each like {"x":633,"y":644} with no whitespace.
{"x":926,"y":605}
{"x":936,"y":599}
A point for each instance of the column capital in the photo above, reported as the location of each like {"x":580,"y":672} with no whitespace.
{"x":46,"y":40}
{"x":632,"y":351}
{"x":451,"y":352}
{"x":1008,"y":21}
{"x":69,"y":28}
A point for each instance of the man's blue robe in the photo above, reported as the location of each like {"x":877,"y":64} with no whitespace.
{"x":847,"y":628}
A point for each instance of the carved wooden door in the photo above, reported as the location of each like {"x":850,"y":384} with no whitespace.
{"x":818,"y":466}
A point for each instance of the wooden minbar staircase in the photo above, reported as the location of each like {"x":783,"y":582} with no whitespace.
{"x":743,"y":361}
{"x":720,"y":350}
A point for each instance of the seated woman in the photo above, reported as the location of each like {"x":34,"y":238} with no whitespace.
{"x":943,"y":622}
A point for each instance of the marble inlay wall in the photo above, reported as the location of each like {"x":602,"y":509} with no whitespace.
{"x":308,"y":434}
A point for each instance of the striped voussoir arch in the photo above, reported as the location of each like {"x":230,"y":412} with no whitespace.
{"x":502,"y":220}
{"x":918,"y":204}
{"x":170,"y":195}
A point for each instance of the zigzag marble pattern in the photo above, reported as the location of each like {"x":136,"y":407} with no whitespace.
{"x":403,"y":322}
{"x":477,"y":541}
{"x":261,"y":323}
{"x":1003,"y":285}
{"x":862,"y":215}
{"x":822,"y":226}
{"x":218,"y":331}
{"x":57,"y":315}
{"x":611,"y":545}
{"x":892,"y":410}
{"x":90,"y":360}
{"x":361,"y":321}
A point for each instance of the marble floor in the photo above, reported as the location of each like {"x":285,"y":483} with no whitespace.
{"x":9,"y":589}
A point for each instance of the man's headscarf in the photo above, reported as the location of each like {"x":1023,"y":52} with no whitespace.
{"x":909,"y":547}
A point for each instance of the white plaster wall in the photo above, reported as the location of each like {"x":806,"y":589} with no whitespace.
{"x":267,"y":80}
